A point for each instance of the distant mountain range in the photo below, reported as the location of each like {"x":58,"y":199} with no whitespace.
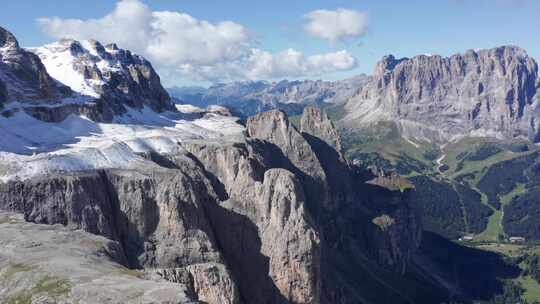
{"x":250,"y":97}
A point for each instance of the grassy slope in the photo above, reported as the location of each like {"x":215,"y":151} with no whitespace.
{"x":384,"y":139}
{"x":532,"y":288}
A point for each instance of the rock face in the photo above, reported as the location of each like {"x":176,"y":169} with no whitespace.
{"x":274,"y":126}
{"x":251,"y":97}
{"x":317,"y":123}
{"x":266,"y":211}
{"x":22,"y":75}
{"x":487,"y":92}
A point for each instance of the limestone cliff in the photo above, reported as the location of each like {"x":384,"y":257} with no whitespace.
{"x":490,"y":92}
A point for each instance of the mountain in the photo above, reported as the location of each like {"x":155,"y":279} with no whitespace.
{"x":92,"y":69}
{"x":78,"y":78}
{"x":250,"y":97}
{"x":462,"y":124}
{"x":490,"y":93}
{"x":110,"y":193}
{"x":462,"y":129}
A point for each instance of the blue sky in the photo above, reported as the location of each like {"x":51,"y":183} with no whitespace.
{"x":402,"y":28}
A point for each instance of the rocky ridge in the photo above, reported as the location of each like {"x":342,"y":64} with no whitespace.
{"x":480,"y":93}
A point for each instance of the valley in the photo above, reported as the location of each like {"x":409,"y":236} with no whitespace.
{"x":477,"y":188}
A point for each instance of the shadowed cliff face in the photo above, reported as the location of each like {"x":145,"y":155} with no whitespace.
{"x":23,"y":76}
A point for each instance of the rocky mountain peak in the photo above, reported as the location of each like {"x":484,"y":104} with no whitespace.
{"x":22,"y":75}
{"x":7,"y":40}
{"x":315,"y":122}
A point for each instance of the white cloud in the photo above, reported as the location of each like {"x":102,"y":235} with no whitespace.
{"x":128,"y":25}
{"x":336,"y":25}
{"x":181,"y":46}
{"x":259,"y":64}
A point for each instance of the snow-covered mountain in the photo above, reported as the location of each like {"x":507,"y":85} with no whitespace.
{"x":250,"y":97}
{"x":104,"y":81}
{"x":92,"y":69}
{"x":71,"y":106}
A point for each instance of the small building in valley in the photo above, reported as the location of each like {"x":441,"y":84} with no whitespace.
{"x":516,"y":239}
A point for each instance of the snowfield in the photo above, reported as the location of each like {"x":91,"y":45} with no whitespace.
{"x":30,"y":147}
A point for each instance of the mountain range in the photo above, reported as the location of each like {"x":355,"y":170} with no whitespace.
{"x":111,"y":191}
{"x":250,"y":97}
{"x":484,"y":93}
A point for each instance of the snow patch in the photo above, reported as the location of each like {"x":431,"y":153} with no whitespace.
{"x":411,"y":142}
{"x":187,"y":108}
{"x":60,"y":64}
{"x":30,"y":147}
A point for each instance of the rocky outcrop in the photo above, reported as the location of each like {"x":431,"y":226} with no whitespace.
{"x":22,"y":75}
{"x":316,"y":123}
{"x":274,"y":127}
{"x":288,"y":228}
{"x":207,"y":282}
{"x":487,"y":93}
{"x":266,"y":210}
